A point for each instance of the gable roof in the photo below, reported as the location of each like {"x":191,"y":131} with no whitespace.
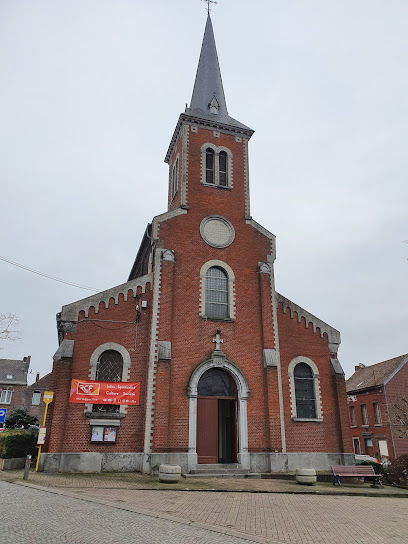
{"x":15,"y":368}
{"x":42,"y":383}
{"x":375,"y":375}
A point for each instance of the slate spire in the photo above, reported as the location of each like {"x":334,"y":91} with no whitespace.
{"x":208,"y":82}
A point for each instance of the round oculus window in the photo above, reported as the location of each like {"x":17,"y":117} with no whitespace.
{"x":217,"y":231}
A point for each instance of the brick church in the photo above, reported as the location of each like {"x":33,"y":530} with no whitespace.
{"x":228,"y":370}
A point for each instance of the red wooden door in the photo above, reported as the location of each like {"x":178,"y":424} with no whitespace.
{"x":207,"y":429}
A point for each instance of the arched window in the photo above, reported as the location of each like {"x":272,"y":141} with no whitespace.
{"x":216,"y":383}
{"x":174,"y":178}
{"x":209,"y":165}
{"x":304,"y":391}
{"x":109,"y":368}
{"x":223,"y":169}
{"x":216,"y":293}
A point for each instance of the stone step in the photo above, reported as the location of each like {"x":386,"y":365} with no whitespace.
{"x":232,"y":470}
{"x":222,"y":475}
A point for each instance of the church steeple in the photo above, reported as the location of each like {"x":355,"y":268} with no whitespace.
{"x":208,"y":106}
{"x":208,"y":93}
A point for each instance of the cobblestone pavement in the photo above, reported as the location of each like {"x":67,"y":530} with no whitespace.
{"x":265,"y":518}
{"x":283,"y":518}
{"x":31,"y":516}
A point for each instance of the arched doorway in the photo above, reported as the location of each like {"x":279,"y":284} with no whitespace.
{"x":217,"y":435}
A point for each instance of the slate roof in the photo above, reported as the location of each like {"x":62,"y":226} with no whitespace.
{"x":42,"y":383}
{"x":17,"y":369}
{"x":208,"y":84}
{"x":374,"y":375}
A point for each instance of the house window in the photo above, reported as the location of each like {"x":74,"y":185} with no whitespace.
{"x":103,"y":433}
{"x":174,"y":178}
{"x":377,"y":413}
{"x":364,"y":415}
{"x":6,"y":396}
{"x":36,"y":398}
{"x":216,"y":166}
{"x":356,"y":446}
{"x":304,"y":392}
{"x":109,"y":368}
{"x":352,"y":416}
{"x":216,"y":293}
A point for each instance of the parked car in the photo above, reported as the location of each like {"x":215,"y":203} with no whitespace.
{"x":361,"y":458}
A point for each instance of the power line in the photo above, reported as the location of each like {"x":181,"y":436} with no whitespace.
{"x":48,"y":276}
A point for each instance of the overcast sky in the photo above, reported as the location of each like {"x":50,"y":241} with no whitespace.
{"x":90,"y":94}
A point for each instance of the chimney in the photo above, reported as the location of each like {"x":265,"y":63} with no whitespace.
{"x":37,"y":376}
{"x":359,"y":366}
{"x":27,"y":359}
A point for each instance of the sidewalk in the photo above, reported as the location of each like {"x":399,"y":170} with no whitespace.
{"x":132,"y":480}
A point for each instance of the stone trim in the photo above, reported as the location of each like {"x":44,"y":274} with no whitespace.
{"x":246,"y":177}
{"x":316,"y":382}
{"x":218,"y":360}
{"x":249,"y":221}
{"x":92,"y":369}
{"x":151,"y":378}
{"x":332,"y":333}
{"x":217,"y":150}
{"x":164,"y":217}
{"x":231,"y":287}
{"x":174,"y":188}
{"x":223,"y":220}
{"x":184,"y":165}
{"x":70,"y":312}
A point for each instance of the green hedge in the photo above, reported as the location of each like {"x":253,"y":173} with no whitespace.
{"x":18,"y":443}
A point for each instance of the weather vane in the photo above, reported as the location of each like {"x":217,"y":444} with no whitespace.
{"x":208,"y":4}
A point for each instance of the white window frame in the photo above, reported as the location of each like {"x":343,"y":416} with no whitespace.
{"x":353,"y":421}
{"x":377,"y":413}
{"x":364,"y":415}
{"x":6,"y":395}
{"x":316,"y":383}
{"x":231,"y":289}
{"x":217,"y":151}
{"x":36,"y":395}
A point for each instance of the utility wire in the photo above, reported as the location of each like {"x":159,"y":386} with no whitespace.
{"x":48,"y":276}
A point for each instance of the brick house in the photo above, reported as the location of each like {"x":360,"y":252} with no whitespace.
{"x":15,"y":393}
{"x":375,"y":396}
{"x":230,"y":371}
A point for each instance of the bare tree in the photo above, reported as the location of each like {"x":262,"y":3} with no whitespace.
{"x":9,"y":327}
{"x":400,"y":409}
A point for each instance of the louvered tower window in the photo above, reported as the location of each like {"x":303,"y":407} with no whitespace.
{"x":109,"y":368}
{"x":216,"y":293}
{"x":223,"y":169}
{"x":304,"y":392}
{"x":209,"y":165}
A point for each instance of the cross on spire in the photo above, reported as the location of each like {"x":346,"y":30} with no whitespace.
{"x":217,"y":340}
{"x":208,"y":4}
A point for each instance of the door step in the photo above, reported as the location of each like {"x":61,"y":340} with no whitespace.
{"x":233,"y":470}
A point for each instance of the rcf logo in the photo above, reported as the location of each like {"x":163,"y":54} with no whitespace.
{"x":88,"y":388}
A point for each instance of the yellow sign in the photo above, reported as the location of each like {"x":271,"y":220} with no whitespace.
{"x":48,"y":396}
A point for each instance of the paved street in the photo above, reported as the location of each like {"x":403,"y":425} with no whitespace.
{"x":30,"y":516}
{"x":88,"y":515}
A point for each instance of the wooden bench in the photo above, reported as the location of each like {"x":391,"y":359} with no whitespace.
{"x":355,"y":471}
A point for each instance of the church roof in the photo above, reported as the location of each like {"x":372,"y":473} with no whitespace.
{"x":208,"y":104}
{"x":375,"y":375}
{"x":208,"y":99}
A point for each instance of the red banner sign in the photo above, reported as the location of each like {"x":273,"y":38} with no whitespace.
{"x":104,"y":392}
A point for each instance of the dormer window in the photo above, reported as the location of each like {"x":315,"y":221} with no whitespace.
{"x":216,"y":166}
{"x":214,"y":106}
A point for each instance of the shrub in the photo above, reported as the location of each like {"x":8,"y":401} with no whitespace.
{"x":18,"y":443}
{"x":378,"y":468}
{"x":398,"y":469}
{"x":19,"y":418}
